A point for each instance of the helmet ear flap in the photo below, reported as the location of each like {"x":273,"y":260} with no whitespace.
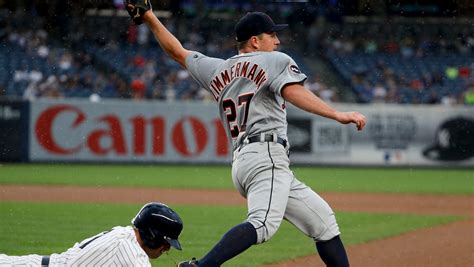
{"x":150,"y":238}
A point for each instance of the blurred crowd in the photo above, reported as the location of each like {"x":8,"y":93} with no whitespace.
{"x":404,"y":63}
{"x":385,"y":62}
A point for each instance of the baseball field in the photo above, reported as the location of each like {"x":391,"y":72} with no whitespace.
{"x":388,"y":216}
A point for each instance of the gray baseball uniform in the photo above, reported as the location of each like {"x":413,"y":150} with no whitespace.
{"x":247,"y":88}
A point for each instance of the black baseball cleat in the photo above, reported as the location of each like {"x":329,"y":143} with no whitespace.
{"x":192,"y":263}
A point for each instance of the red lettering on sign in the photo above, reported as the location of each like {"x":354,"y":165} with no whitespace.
{"x":199,"y":133}
{"x":138,"y":135}
{"x":114,"y":132}
{"x":222,"y":144}
{"x":44,"y":128}
{"x":126,"y":136}
{"x":158,"y":136}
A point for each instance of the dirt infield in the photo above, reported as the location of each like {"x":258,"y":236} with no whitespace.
{"x":447,"y":245}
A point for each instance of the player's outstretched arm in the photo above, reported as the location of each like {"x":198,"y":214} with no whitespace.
{"x":299,"y":96}
{"x":168,"y":42}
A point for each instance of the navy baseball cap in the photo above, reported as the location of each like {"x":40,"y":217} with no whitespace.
{"x":255,"y":23}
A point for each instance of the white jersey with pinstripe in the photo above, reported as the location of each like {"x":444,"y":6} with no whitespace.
{"x":118,"y":247}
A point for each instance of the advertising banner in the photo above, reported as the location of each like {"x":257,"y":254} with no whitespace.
{"x":398,"y":135}
{"x":126,"y":131}
{"x":190,"y":132}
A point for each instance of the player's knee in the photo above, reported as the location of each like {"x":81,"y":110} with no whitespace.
{"x":265,"y":230}
{"x":327,"y":230}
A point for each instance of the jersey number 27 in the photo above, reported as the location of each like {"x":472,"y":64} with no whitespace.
{"x":230,"y":109}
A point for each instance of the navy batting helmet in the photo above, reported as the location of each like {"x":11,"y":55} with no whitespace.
{"x":157,"y":223}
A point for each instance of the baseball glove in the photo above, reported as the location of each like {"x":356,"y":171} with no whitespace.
{"x":137,"y":8}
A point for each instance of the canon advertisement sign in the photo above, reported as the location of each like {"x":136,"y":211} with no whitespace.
{"x":126,"y":131}
{"x":191,"y":132}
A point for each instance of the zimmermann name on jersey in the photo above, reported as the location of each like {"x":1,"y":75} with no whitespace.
{"x":244,"y":69}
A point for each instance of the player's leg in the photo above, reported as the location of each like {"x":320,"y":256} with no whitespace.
{"x":235,"y":241}
{"x":27,"y":260}
{"x":332,"y":252}
{"x":263,"y":177}
{"x":267,"y":186}
{"x":313,"y":216}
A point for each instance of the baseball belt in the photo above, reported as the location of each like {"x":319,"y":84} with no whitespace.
{"x":267,"y":138}
{"x":45,"y":261}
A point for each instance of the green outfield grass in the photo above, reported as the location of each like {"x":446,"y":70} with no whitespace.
{"x":322,"y":179}
{"x":44,"y":228}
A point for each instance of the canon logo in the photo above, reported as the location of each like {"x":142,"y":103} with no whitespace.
{"x":68,"y":130}
{"x":9,"y":113}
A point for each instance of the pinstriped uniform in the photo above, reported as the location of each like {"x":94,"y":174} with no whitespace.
{"x":27,"y":261}
{"x":118,"y":247}
{"x":248,"y":90}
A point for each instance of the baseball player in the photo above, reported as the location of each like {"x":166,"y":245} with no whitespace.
{"x":155,"y":229}
{"x":251,"y":90}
